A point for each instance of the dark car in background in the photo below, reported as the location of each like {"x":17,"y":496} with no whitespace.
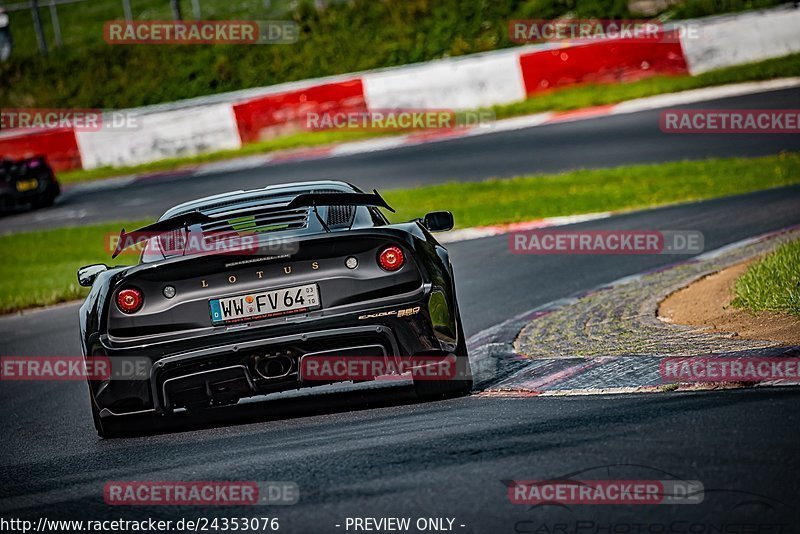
{"x":29,"y":181}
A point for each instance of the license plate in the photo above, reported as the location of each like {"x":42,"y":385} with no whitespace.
{"x":265,"y":304}
{"x":27,"y":185}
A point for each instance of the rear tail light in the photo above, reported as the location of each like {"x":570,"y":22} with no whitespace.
{"x":130,"y":300}
{"x":391,"y":259}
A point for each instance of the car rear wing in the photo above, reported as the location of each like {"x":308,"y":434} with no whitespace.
{"x":184,"y":220}
{"x":340,"y":199}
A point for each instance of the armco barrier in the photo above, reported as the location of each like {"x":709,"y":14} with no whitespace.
{"x":737,"y":39}
{"x":167,"y":134}
{"x":271,"y":115}
{"x":608,"y":61}
{"x":469,"y":82}
{"x":59,"y":145}
{"x":504,"y":76}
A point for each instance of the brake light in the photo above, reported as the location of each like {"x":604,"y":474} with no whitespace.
{"x":130,"y":300}
{"x":391,"y":259}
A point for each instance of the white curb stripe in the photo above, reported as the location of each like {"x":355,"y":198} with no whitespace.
{"x":467,"y":234}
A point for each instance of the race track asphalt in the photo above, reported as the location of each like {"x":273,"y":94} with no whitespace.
{"x":380,"y":453}
{"x":592,"y":143}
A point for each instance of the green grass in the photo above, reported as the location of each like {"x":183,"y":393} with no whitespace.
{"x":81,"y":23}
{"x":561,"y":100}
{"x":584,"y":191}
{"x":38,"y":268}
{"x":344,"y":36}
{"x":772,"y":283}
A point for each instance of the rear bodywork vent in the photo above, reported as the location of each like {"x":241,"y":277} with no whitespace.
{"x":211,"y":207}
{"x":337,"y":216}
{"x":266,"y":220}
{"x":340,"y":215}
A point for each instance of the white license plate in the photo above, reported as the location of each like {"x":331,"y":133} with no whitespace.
{"x":265,"y":304}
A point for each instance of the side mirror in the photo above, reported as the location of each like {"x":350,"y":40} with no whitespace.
{"x":86,"y":275}
{"x":438,"y":221}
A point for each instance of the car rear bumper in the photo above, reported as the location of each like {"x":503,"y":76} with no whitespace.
{"x":206,"y":375}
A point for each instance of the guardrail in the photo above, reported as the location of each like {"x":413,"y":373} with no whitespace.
{"x":228,"y":121}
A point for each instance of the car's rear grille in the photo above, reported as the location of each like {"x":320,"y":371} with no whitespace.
{"x":266,"y":220}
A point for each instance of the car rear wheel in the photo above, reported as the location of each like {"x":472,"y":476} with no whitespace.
{"x":48,"y":197}
{"x":115,"y":427}
{"x":45,"y":202}
{"x":6,"y":203}
{"x":437,"y":389}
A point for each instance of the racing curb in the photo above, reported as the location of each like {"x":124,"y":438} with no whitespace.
{"x":419,"y":138}
{"x":499,"y":370}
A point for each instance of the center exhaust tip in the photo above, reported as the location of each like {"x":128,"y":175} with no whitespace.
{"x":272,"y":366}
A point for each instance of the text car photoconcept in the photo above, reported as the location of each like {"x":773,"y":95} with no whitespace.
{"x":233,"y":295}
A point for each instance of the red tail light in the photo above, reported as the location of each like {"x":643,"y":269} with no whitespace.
{"x":129,"y":300}
{"x":391,"y":259}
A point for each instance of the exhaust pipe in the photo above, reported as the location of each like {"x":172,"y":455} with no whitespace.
{"x":271,"y":367}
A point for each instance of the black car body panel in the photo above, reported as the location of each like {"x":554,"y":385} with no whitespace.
{"x":193,"y":361}
{"x":28,"y":181}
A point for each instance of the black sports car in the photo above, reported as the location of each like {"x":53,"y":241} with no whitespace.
{"x":253,"y":292}
{"x":27,"y":181}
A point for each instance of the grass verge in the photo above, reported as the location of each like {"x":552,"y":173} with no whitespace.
{"x":772,"y":283}
{"x":39,"y":268}
{"x":560,"y":100}
{"x":585,"y":191}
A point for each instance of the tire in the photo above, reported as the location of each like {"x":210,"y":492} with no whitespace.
{"x":115,"y":427}
{"x":45,"y":202}
{"x":6,"y":204}
{"x":440,"y":389}
{"x":47,"y":199}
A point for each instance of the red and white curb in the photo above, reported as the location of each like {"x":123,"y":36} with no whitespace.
{"x":515,"y":123}
{"x":478,"y":232}
{"x":500,"y":372}
{"x":230,"y":121}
